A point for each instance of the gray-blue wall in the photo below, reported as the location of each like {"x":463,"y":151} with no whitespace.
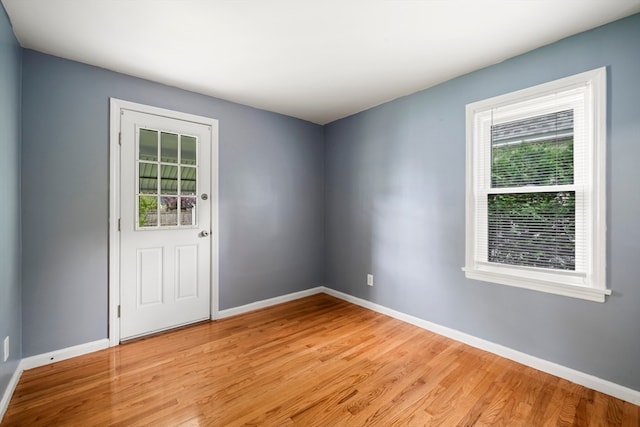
{"x":395,"y":203}
{"x":10,"y":318}
{"x":271,"y":175}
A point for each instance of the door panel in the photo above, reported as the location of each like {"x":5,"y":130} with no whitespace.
{"x":149,"y":276}
{"x":165,"y":223}
{"x":186,"y":267}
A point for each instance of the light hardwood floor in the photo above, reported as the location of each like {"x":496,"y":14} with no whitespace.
{"x":317,"y":361}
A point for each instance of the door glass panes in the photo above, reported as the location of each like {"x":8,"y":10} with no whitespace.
{"x":187,"y":209}
{"x":188,"y":150}
{"x":147,"y":211}
{"x":148,"y":145}
{"x":148,"y":178}
{"x":188,"y":181}
{"x":168,"y":211}
{"x":169,"y":150}
{"x":167,"y":179}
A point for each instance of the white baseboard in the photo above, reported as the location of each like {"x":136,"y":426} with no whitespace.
{"x":45,"y":359}
{"x":11,"y":387}
{"x":63,"y":354}
{"x":269,"y":302}
{"x":578,"y":377}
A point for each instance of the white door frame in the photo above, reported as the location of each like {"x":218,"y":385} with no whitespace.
{"x":116,"y":106}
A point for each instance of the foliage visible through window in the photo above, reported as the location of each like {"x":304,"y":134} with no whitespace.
{"x":148,"y":207}
{"x":534,"y":151}
{"x":533,"y":229}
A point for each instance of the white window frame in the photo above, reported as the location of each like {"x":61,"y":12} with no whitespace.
{"x":585,"y":91}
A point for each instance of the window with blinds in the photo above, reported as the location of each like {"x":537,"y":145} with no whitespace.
{"x":535,"y":188}
{"x":533,"y":228}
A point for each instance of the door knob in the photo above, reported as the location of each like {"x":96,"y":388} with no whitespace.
{"x":203,"y":233}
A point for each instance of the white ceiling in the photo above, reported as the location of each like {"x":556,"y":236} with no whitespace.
{"x":317,"y":60}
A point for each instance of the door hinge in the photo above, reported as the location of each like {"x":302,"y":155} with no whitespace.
{"x":118,"y":224}
{"x":119,"y":138}
{"x":118,"y":312}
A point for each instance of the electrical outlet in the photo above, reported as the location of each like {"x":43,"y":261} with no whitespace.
{"x":6,"y":349}
{"x":369,"y":279}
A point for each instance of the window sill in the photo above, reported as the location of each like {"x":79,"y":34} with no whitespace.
{"x":551,"y":287}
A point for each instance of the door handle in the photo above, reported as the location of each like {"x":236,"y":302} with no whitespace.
{"x":203,"y":233}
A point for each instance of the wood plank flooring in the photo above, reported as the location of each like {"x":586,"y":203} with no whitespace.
{"x":317,"y":361}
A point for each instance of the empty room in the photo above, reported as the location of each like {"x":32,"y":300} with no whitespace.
{"x":319,"y":213}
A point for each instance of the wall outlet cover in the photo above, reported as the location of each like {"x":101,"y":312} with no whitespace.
{"x":370,"y":279}
{"x":5,"y":353}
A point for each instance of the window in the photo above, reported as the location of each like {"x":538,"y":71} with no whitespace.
{"x":535,"y":191}
{"x":167,"y":179}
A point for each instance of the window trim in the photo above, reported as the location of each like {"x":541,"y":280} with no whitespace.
{"x":591,"y":285}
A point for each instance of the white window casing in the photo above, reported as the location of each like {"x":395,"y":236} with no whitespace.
{"x":585,"y":95}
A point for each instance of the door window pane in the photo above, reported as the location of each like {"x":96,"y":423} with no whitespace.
{"x":188,"y":180}
{"x":188,"y":150}
{"x":148,"y":145}
{"x":169,"y":147}
{"x":148,"y":178}
{"x":187,"y":211}
{"x":147,"y":211}
{"x":169,"y":179}
{"x":168,"y":211}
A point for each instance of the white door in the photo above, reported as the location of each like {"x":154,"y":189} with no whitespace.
{"x":165,"y":211}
